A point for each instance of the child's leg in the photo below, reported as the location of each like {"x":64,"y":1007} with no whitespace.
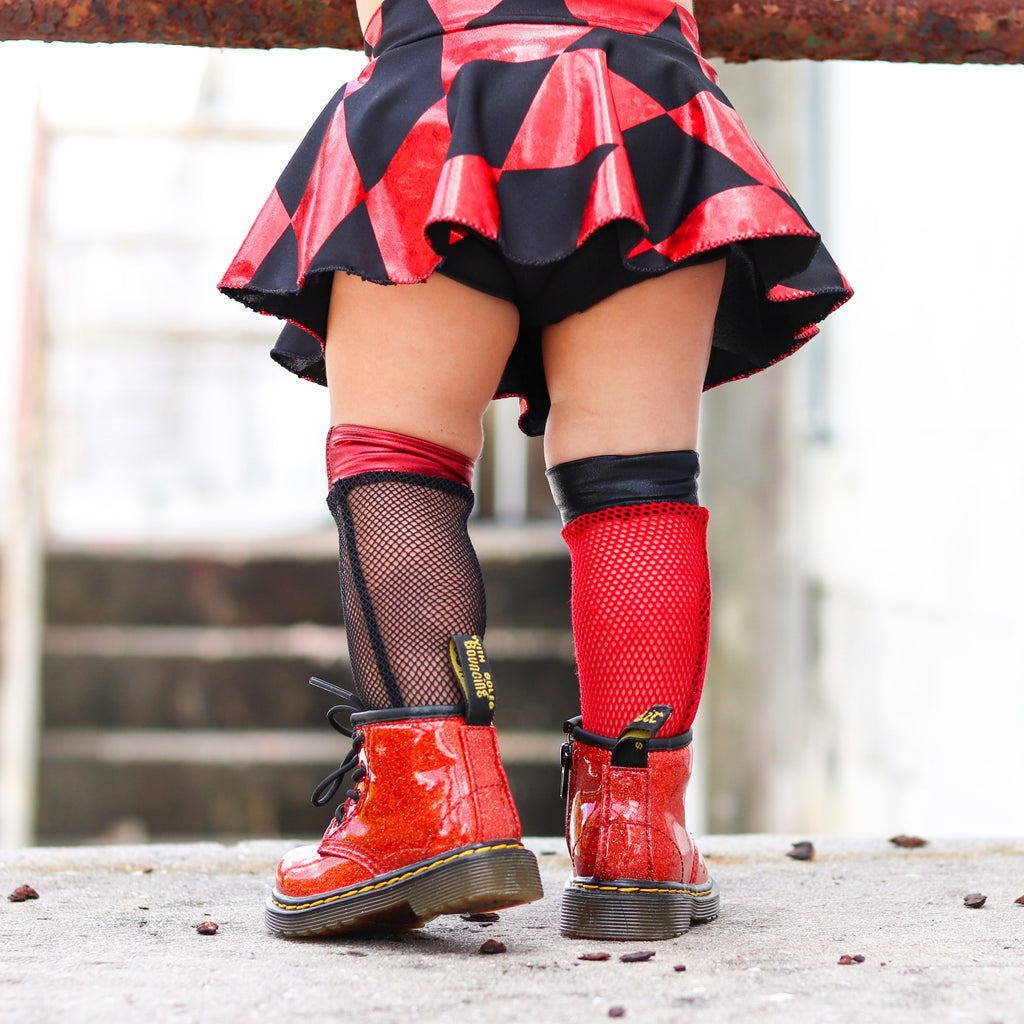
{"x":625,"y":379}
{"x":413,"y":367}
{"x":429,"y":827}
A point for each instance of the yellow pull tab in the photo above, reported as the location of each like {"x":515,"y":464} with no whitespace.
{"x":469,"y":660}
{"x":631,"y":749}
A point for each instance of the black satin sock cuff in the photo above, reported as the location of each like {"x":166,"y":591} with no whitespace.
{"x":608,"y":481}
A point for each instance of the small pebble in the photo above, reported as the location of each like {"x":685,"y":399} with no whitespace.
{"x":846,"y":959}
{"x":482,"y":918}
{"x":802,"y":851}
{"x":637,"y":958}
{"x":617,"y":1011}
{"x":1019,"y":899}
{"x":594,"y":956}
{"x":207,"y":928}
{"x":908,"y":842}
{"x":679,"y":967}
{"x":491,"y":946}
{"x":859,"y":958}
{"x":974,"y":900}
{"x":22,"y":893}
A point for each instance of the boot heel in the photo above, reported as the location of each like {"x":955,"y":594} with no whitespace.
{"x":636,"y":871}
{"x":471,"y":880}
{"x":642,"y":910}
{"x":492,"y":878}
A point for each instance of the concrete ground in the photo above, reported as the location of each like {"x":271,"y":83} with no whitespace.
{"x":113,"y":937}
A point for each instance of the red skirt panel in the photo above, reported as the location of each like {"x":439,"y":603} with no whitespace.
{"x":546,"y":151}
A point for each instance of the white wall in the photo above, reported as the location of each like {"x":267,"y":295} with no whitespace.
{"x":167,"y":418}
{"x":915,"y":498}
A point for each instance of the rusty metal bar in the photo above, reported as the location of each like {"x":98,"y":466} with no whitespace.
{"x":930,"y":31}
{"x":924,"y":31}
{"x":254,"y":23}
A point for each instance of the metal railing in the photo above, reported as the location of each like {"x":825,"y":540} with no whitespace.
{"x":931,"y":31}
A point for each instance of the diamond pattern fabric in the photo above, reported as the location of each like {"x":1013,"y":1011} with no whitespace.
{"x":580,"y":145}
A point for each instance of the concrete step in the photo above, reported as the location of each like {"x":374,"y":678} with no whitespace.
{"x":526,"y":587}
{"x":97,"y":783}
{"x":175,"y":700}
{"x":255,"y":677}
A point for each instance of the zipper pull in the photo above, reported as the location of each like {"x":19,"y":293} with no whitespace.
{"x":566,"y":759}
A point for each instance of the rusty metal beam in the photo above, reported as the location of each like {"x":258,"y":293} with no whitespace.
{"x":252,"y":23}
{"x":925,"y":31}
{"x":930,"y":31}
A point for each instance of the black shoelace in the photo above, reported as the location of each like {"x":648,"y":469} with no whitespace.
{"x":327,"y":787}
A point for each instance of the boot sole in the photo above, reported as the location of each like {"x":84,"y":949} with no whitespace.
{"x":633,"y":910}
{"x":473,"y":879}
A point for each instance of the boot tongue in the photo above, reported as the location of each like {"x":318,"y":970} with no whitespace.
{"x":634,"y":740}
{"x":469,"y":660}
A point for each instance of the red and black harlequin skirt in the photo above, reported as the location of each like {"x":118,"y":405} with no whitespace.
{"x":546,"y":151}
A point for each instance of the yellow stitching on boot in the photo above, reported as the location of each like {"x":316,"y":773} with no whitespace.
{"x":637,"y":888}
{"x":392,"y":881}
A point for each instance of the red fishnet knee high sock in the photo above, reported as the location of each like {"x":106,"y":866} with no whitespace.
{"x":641,"y":606}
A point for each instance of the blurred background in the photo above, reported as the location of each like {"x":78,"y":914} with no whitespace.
{"x":169,"y":574}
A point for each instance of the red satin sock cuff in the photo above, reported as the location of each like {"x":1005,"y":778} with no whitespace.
{"x":352,"y":450}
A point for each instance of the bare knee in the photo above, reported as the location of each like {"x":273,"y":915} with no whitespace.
{"x":421,"y":359}
{"x":581,"y":430}
{"x":626,"y":376}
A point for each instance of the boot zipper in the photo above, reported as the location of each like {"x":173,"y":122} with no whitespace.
{"x":566,"y":759}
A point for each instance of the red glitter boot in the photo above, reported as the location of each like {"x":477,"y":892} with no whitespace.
{"x":430,"y":827}
{"x":636,"y":871}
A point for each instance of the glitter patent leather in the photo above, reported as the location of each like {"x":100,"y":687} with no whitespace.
{"x":630,"y":823}
{"x":432,"y":785}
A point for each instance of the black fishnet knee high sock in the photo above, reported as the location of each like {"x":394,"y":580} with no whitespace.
{"x":410,"y":579}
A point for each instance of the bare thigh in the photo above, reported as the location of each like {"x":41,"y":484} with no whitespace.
{"x":418,"y":359}
{"x":626,"y":376}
